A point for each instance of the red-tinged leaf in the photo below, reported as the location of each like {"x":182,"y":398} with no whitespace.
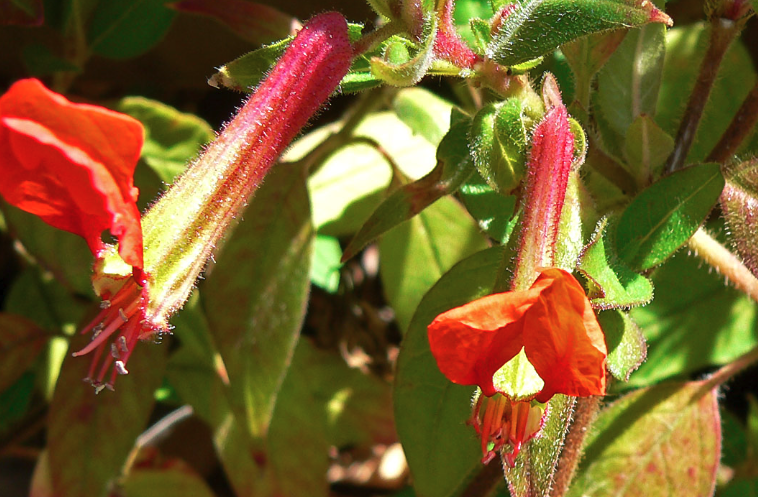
{"x":22,"y":12}
{"x":90,"y":436}
{"x":256,"y":296}
{"x":659,"y":441}
{"x":156,"y":476}
{"x":71,"y":165}
{"x":251,"y":21}
{"x":20,"y":343}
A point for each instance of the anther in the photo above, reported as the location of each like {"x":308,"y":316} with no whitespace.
{"x":120,"y":368}
{"x":122,"y":344}
{"x":123,"y":315}
{"x":105,"y":304}
{"x":114,"y":351}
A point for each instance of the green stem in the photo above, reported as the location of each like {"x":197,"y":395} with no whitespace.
{"x":725,"y":262}
{"x":723,"y":32}
{"x":371,"y":40}
{"x":367,"y":103}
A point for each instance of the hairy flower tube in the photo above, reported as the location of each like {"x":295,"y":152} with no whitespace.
{"x":153,"y":271}
{"x":519,"y":347}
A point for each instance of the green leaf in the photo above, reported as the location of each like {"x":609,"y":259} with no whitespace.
{"x":685,"y":48}
{"x":121,"y":29}
{"x":21,"y":341}
{"x":694,"y":322}
{"x":62,"y":253}
{"x":493,"y":211}
{"x":587,"y":55}
{"x":628,"y":84}
{"x":665,"y":215}
{"x":430,"y":411}
{"x":245,"y":72}
{"x":611,"y":284}
{"x":333,"y":405}
{"x":172,"y":138}
{"x":82,"y":460}
{"x":453,"y":167}
{"x":325,"y":264}
{"x":409,"y":72}
{"x":537,"y":27}
{"x":172,"y":478}
{"x":734,"y":444}
{"x":480,"y":35}
{"x":255,"y":298}
{"x":40,"y":61}
{"x":53,"y":308}
{"x":349,"y":184}
{"x":466,"y":11}
{"x":415,"y":254}
{"x":659,"y":441}
{"x":497,"y":139}
{"x":424,"y":112}
{"x":15,"y":401}
{"x":646,"y":149}
{"x":627,"y":348}
{"x":196,"y":370}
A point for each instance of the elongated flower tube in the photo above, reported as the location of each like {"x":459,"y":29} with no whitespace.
{"x":181,"y":230}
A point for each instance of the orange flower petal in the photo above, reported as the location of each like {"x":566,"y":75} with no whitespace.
{"x":471,"y":342}
{"x":554,"y":323}
{"x":72,"y":165}
{"x":562,"y":338}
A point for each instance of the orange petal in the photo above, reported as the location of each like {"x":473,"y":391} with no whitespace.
{"x":562,"y":338}
{"x":72,"y":165}
{"x":471,"y":342}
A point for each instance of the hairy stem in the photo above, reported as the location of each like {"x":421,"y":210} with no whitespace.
{"x":732,"y":369}
{"x":723,"y":32}
{"x":585,"y":413}
{"x":742,"y":124}
{"x":725,"y":262}
{"x":371,"y":40}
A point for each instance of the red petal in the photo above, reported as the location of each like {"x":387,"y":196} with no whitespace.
{"x":71,"y":165}
{"x":471,"y":342}
{"x":562,"y":338}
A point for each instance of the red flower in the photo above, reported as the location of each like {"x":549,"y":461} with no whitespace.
{"x":555,"y":326}
{"x":72,"y":165}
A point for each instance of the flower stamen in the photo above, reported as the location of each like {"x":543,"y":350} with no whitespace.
{"x":123,"y":316}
